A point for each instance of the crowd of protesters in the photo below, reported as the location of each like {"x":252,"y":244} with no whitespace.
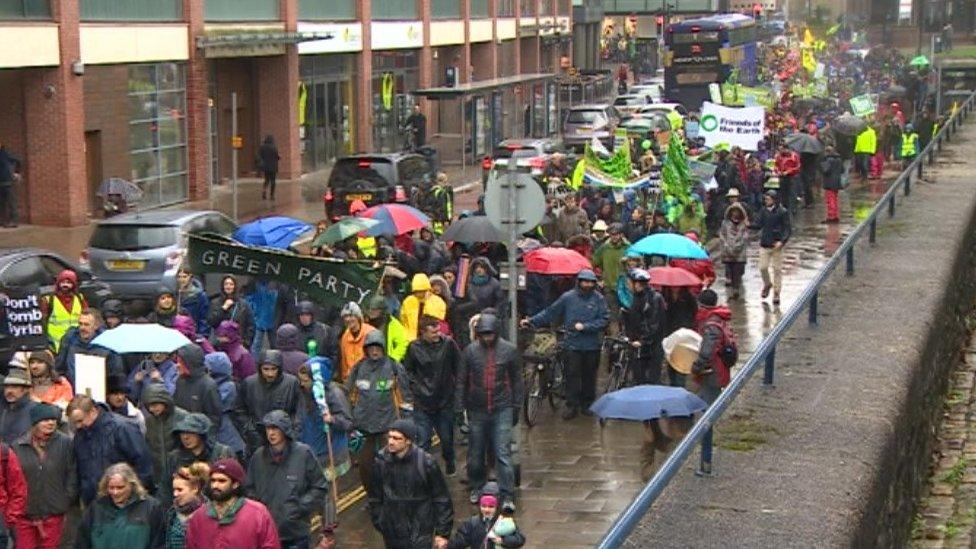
{"x":238,"y":438}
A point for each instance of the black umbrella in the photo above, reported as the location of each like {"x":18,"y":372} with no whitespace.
{"x":804,"y":143}
{"x":473,"y":229}
{"x":848,"y":124}
{"x":130,"y":192}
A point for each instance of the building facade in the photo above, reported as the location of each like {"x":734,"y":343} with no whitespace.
{"x":143,"y":89}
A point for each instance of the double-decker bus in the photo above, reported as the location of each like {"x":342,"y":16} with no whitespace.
{"x":699,"y":52}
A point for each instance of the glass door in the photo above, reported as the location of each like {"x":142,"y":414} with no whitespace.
{"x":319,"y":125}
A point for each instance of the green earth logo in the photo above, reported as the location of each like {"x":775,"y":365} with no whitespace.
{"x":709,"y":123}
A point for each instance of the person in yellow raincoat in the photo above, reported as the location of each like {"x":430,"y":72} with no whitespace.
{"x":421,"y":301}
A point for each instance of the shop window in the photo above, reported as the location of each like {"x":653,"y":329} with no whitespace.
{"x":131,"y":10}
{"x":25,"y":9}
{"x":445,"y":9}
{"x":396,"y":9}
{"x":242,"y":10}
{"x":547,"y":7}
{"x":529,"y":8}
{"x":327,"y":10}
{"x":505,"y":8}
{"x":157,"y":132}
{"x":479,"y":8}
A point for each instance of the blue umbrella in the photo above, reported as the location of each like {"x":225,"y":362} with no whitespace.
{"x":674,"y":246}
{"x":645,"y":402}
{"x":141,"y":338}
{"x":271,"y":232}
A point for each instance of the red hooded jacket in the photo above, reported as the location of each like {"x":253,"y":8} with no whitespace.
{"x":711,"y":323}
{"x":788,"y":164}
{"x":13,"y":487}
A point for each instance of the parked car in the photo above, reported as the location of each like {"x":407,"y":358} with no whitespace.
{"x":630,"y":102}
{"x":584,"y":122}
{"x":375,"y":179}
{"x":139,"y":253}
{"x":531,"y":155}
{"x":30,"y":269}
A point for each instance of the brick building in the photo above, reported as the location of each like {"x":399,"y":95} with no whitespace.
{"x":141,"y":89}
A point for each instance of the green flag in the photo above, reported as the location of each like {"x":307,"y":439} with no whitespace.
{"x":332,"y":281}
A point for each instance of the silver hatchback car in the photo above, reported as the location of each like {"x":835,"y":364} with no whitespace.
{"x":139,"y":253}
{"x":584,"y":122}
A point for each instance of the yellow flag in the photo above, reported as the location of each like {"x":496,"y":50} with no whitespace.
{"x":809,"y":63}
{"x":577,"y":181}
{"x":807,"y":37}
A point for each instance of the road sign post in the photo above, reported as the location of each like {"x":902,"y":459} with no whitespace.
{"x":514,"y":204}
{"x":234,"y":149}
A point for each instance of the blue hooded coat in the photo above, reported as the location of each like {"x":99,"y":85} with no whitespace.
{"x":220,"y":368}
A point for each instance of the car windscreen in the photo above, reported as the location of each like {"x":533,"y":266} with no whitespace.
{"x":131,"y":238}
{"x":585,"y":117}
{"x":377,"y":171}
{"x":629,"y":101}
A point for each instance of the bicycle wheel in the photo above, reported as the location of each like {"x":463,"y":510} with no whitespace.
{"x":556,"y":383}
{"x":533,"y":397}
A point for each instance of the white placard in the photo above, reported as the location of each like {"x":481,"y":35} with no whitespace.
{"x":90,"y":376}
{"x":738,"y":127}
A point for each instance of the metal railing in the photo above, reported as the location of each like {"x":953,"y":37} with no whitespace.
{"x":765,"y":354}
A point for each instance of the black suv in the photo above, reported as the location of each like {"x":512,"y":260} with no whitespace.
{"x":375,"y":179}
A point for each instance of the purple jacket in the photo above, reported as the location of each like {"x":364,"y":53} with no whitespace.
{"x":188,"y":327}
{"x":289,"y":341}
{"x":240,"y":358}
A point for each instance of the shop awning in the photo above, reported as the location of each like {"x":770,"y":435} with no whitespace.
{"x":482,"y":86}
{"x":259,"y":39}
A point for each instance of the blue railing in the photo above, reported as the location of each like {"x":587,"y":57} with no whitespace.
{"x":765,"y":353}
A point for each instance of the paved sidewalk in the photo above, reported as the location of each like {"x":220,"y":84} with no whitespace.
{"x":300,"y":198}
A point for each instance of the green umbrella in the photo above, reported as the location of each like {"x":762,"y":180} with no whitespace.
{"x":343,"y":229}
{"x":920,"y":61}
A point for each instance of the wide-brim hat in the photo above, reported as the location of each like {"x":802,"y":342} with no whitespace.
{"x":681,"y":349}
{"x":17,"y":377}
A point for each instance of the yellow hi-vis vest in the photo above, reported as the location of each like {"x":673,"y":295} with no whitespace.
{"x":909,"y":145}
{"x":61,"y":320}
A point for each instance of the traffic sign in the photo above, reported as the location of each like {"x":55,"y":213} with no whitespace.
{"x":527,"y":196}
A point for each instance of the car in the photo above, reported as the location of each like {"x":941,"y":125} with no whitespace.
{"x":138,"y":253}
{"x":654,"y":91}
{"x":36,"y":269}
{"x":662,"y":108}
{"x":531,"y":155}
{"x":642,"y":127}
{"x":585,"y":122}
{"x":374,"y":179}
{"x":630,"y":102}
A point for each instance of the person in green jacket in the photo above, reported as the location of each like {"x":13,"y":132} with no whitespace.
{"x":607,"y":258}
{"x":124,"y":514}
{"x":396,"y":335}
{"x":865,"y":146}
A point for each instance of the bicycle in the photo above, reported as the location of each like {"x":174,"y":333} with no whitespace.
{"x":544,"y":377}
{"x":621,"y":354}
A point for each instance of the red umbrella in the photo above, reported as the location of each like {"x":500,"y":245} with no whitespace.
{"x":673,"y":276}
{"x":555,"y":261}
{"x":395,"y":219}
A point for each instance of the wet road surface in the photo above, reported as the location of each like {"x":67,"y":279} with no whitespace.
{"x":576,"y":476}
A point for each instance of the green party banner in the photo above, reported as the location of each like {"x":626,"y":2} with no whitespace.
{"x":331,"y":281}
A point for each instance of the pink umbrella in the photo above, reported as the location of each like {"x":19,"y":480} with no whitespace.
{"x":555,"y":261}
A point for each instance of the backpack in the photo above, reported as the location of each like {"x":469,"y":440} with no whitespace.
{"x":728,"y":351}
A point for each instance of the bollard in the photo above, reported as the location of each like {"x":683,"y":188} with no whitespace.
{"x":920,"y":163}
{"x":908,"y":180}
{"x":850,"y":260}
{"x":872,"y":238}
{"x":768,"y":369}
{"x":814,"y":301}
{"x":891,"y":206}
{"x":931,"y":156}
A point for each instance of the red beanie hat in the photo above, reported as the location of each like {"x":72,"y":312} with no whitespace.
{"x":229,"y":467}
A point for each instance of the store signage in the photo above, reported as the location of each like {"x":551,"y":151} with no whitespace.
{"x":392,"y":35}
{"x":346,"y":37}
